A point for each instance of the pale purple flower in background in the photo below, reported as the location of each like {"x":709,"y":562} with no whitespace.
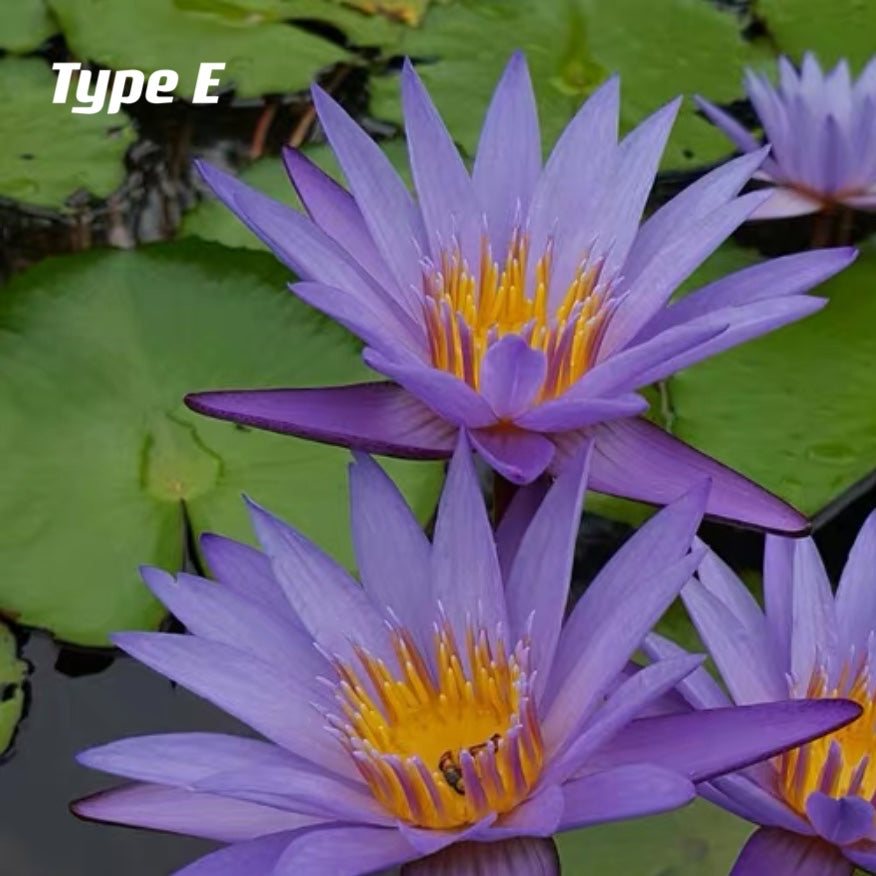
{"x":816,"y":803}
{"x":440,"y":702}
{"x":821,"y":128}
{"x":523,"y":305}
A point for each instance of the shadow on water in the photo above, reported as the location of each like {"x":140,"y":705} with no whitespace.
{"x":38,"y":834}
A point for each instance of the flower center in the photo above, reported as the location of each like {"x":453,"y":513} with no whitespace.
{"x":443,"y":746}
{"x":842,"y":763}
{"x":466,"y":314}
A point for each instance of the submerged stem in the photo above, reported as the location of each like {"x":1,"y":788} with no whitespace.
{"x":821,"y":228}
{"x":504,"y":492}
{"x":845,"y":221}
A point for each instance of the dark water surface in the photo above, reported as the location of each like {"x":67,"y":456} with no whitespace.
{"x":38,"y":834}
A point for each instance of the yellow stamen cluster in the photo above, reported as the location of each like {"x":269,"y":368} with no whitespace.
{"x":467,"y":313}
{"x":842,"y":763}
{"x":445,"y":745}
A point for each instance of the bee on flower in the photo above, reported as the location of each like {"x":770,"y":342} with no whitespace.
{"x":439,"y":712}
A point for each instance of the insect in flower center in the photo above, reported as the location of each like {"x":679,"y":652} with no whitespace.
{"x":468,"y":312}
{"x":443,"y":745}
{"x":842,"y":763}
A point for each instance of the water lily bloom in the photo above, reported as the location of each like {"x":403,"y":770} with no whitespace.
{"x":436,"y":703}
{"x":822,"y":130}
{"x":815,"y":803}
{"x":522,"y":305}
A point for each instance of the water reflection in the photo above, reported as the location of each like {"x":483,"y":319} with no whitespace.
{"x":38,"y":835}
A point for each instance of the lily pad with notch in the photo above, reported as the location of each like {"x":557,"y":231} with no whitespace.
{"x":97,"y":351}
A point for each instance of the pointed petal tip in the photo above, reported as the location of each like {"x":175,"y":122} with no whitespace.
{"x":517,"y":65}
{"x":691,"y":662}
{"x":319,"y":94}
{"x":845,"y":254}
{"x":216,"y":178}
{"x":208,"y":537}
{"x":156,"y":579}
{"x":697,"y":496}
{"x":80,"y":807}
{"x":794,"y":525}
{"x":146,"y":571}
{"x":411,"y":81}
{"x":760,"y":155}
{"x":125,"y":640}
{"x":292,"y":160}
{"x":324,"y":104}
{"x":611,"y":85}
{"x":817,"y":717}
{"x":256,"y":510}
{"x":199,"y":402}
{"x":847,"y":711}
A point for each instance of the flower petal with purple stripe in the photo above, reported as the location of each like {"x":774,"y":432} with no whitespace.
{"x":439,"y":703}
{"x":520,"y":303}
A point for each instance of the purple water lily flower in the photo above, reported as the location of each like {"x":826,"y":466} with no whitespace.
{"x":522,"y":305}
{"x":437,"y":703}
{"x":822,"y":130}
{"x":815,"y":803}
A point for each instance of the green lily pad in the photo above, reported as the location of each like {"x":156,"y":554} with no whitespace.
{"x":261,"y":55}
{"x":97,"y":351}
{"x":13,"y":673}
{"x":841,"y":29}
{"x":49,"y":153}
{"x":698,"y":840}
{"x":572,"y":46}
{"x":25,"y":25}
{"x":792,"y":410}
{"x":212,"y":220}
{"x":357,"y":27}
